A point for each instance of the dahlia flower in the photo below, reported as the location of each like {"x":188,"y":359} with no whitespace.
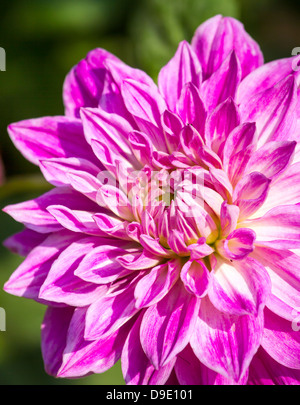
{"x":171,"y":237}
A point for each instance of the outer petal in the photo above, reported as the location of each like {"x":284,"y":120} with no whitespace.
{"x":82,"y":357}
{"x":110,"y":312}
{"x":240,"y":287}
{"x":27,"y":280}
{"x":84,"y":84}
{"x":225,"y":343}
{"x":274,"y":111}
{"x":54,"y":336}
{"x":156,"y":284}
{"x":34,"y":215}
{"x":136,"y":367}
{"x":166,"y":326}
{"x":281,"y":341}
{"x":62,"y":286}
{"x":23,"y":242}
{"x":50,"y":137}
{"x":283,"y":268}
{"x":264,"y":370}
{"x":190,"y":371}
{"x":217,"y":37}
{"x":183,"y":68}
{"x":279,"y":224}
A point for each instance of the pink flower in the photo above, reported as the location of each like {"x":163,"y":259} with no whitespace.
{"x":171,"y":238}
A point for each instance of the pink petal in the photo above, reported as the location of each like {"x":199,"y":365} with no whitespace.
{"x":146,"y":105}
{"x":271,"y":158}
{"x":84,"y":84}
{"x":99,"y":266}
{"x":82,"y":357}
{"x":223,"y":83}
{"x":289,"y":181}
{"x":190,"y":371}
{"x":238,"y":244}
{"x":156,"y":284}
{"x":240,"y":287}
{"x":220,"y":123}
{"x":27,"y":280}
{"x":23,"y":242}
{"x":136,"y":367}
{"x":279,"y":224}
{"x":283,"y":268}
{"x":226,"y":343}
{"x":217,"y":37}
{"x":281,"y":341}
{"x":250,"y":193}
{"x":34,"y":215}
{"x":75,"y":220}
{"x":108,"y":313}
{"x":112,"y":226}
{"x":264,"y":370}
{"x":229,"y":217}
{"x":195,"y":277}
{"x":50,"y":137}
{"x":54,"y":336}
{"x":61,"y":284}
{"x":190,"y":108}
{"x":266,"y":76}
{"x":183,"y":68}
{"x":273,"y":110}
{"x":166,"y":326}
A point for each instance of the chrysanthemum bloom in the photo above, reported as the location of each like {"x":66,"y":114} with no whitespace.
{"x":170,"y":238}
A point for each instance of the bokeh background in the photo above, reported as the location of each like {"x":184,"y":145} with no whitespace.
{"x":43,"y":39}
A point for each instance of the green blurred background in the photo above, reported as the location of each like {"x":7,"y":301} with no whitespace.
{"x":43,"y":39}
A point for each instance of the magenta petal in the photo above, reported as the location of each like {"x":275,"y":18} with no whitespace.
{"x":220,"y":123}
{"x":229,"y":217}
{"x":190,"y":108}
{"x":183,"y":68}
{"x":146,"y":105}
{"x":62,"y":286}
{"x":240,"y":287}
{"x":166,"y":326}
{"x":195,"y":277}
{"x":223,"y":83}
{"x":99,"y":266}
{"x":238,"y":244}
{"x":82,"y":357}
{"x":250,"y":193}
{"x":136,"y":367}
{"x":271,"y":158}
{"x":156,"y":284}
{"x":27,"y":280}
{"x":281,"y":337}
{"x":50,"y":137}
{"x":23,"y":242}
{"x":264,"y":370}
{"x":190,"y":371}
{"x":273,"y":110}
{"x":112,"y":310}
{"x":283,"y":268}
{"x":279,"y":224}
{"x":217,"y":37}
{"x":34,"y":215}
{"x":54,"y":336}
{"x":84,"y":84}
{"x":226,"y":343}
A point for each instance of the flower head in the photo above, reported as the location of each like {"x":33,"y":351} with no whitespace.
{"x":170,"y":238}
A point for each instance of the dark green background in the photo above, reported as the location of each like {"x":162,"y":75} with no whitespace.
{"x":43,"y":39}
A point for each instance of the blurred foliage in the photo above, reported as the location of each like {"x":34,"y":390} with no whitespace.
{"x":43,"y":39}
